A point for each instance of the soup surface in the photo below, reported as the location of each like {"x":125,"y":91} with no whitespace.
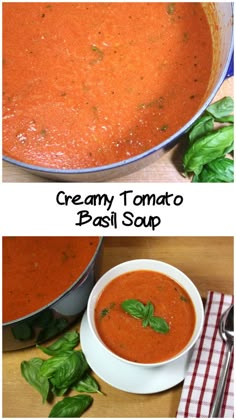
{"x":126,"y":336}
{"x":90,"y":84}
{"x":36,"y":270}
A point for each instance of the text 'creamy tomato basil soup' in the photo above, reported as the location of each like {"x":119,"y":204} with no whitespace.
{"x":145,"y":316}
{"x":91,"y":84}
{"x":38,"y":270}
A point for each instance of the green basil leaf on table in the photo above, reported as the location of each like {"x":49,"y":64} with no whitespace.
{"x":219,"y":170}
{"x":67,"y":342}
{"x":227,"y":119}
{"x":221,"y":108}
{"x":201,"y":127}
{"x":71,"y":406}
{"x":210,"y":140}
{"x":69,"y":372}
{"x":87,"y":384}
{"x":229,"y":150}
{"x":206,"y":149}
{"x":65,"y":370}
{"x":30,"y":370}
{"x":72,"y":368}
{"x":59,"y":392}
{"x":50,"y":366}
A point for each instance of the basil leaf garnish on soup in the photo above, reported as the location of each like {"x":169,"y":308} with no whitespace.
{"x":134,"y":308}
{"x":148,"y":322}
{"x":137,"y":309}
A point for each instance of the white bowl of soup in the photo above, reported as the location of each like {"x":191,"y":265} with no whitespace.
{"x":145,"y":313}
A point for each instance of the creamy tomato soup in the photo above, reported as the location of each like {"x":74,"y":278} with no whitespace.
{"x":37,"y":270}
{"x":126,"y":335}
{"x":90,"y":84}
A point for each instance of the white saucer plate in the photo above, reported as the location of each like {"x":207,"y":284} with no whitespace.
{"x":130,"y":378}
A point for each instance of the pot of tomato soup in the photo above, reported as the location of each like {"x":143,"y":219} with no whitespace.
{"x":141,"y":315}
{"x":93,"y":91}
{"x":46,"y":284}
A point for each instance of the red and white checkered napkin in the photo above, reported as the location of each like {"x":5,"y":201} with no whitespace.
{"x":205,"y":366}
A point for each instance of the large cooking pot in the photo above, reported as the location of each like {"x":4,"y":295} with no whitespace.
{"x":221,"y":69}
{"x":58,"y":315}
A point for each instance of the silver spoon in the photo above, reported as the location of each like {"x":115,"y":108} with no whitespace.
{"x":227,"y":333}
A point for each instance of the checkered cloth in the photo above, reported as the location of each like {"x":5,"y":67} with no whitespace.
{"x":205,"y":366}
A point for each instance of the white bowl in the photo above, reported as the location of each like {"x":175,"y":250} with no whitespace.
{"x":90,"y":336}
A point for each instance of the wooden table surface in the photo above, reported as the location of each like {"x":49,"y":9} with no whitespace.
{"x":166,"y":169}
{"x":208,"y":261}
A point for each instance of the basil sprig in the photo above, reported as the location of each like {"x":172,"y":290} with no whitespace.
{"x":137,"y":309}
{"x":208,"y":156}
{"x":219,"y":170}
{"x":67,"y":369}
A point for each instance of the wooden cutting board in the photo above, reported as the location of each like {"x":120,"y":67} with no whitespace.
{"x":208,"y":261}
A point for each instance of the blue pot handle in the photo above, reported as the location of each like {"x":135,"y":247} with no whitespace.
{"x":230,"y":71}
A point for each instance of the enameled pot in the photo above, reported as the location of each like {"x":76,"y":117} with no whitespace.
{"x":222,"y":68}
{"x":58,"y":315}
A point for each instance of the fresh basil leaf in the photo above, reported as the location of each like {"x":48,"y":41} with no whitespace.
{"x":149,"y":309}
{"x":202,"y":126}
{"x":228,"y":119}
{"x":159,"y":325}
{"x":87,"y":384}
{"x":67,"y":342}
{"x":195,"y":178}
{"x":50,"y":366}
{"x":219,"y":170}
{"x":229,"y":149}
{"x":30,"y":370}
{"x":73,"y":368}
{"x":221,"y":108}
{"x":148,"y":312}
{"x":208,"y":148}
{"x":71,"y":406}
{"x":59,"y":392}
{"x":145,"y":322}
{"x":134,"y":308}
